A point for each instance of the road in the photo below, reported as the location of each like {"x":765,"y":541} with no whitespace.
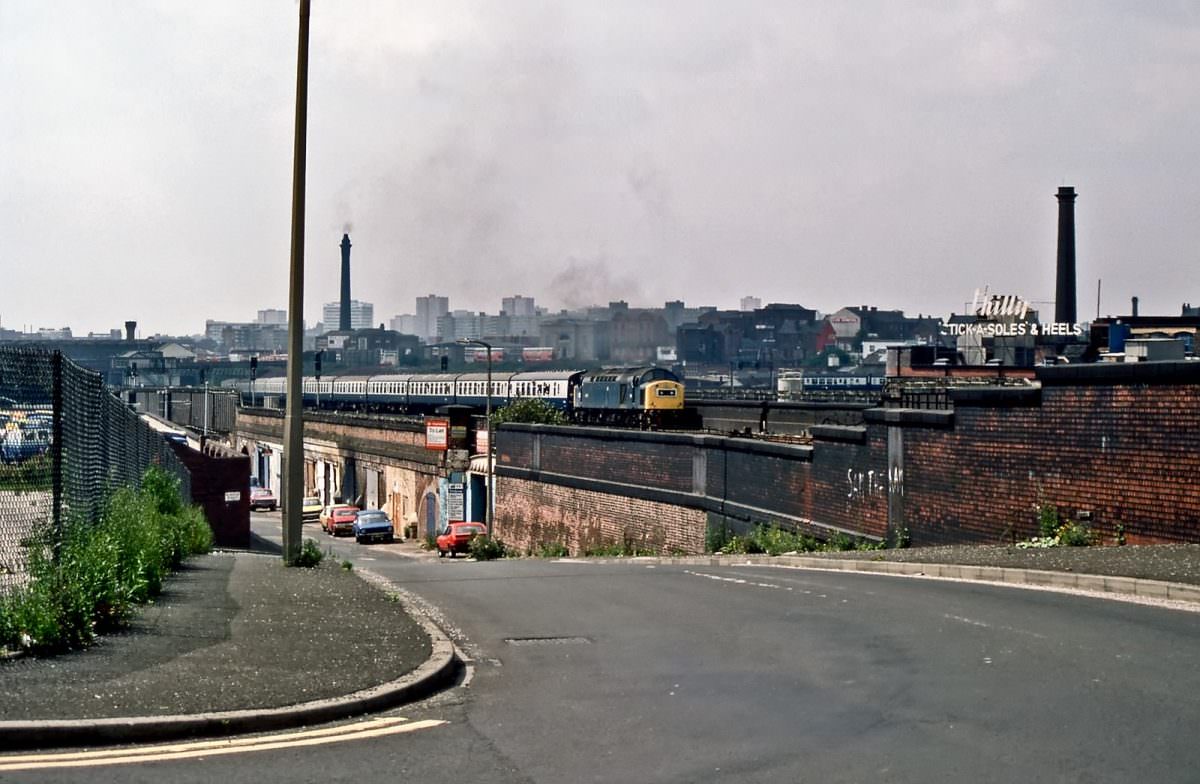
{"x":641,"y":673}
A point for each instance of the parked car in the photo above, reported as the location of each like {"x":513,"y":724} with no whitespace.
{"x":176,"y":438}
{"x":311,"y":509}
{"x":456,"y":538}
{"x":338,"y":519}
{"x":262,"y":498}
{"x":373,"y":525}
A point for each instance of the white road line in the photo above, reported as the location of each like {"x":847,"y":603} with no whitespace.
{"x":359,"y":731}
{"x":736,"y":580}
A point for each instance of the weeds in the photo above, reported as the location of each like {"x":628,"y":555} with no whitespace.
{"x":1048,"y":520}
{"x":310,"y":555}
{"x":95,"y":577}
{"x":617,"y":550}
{"x":773,"y":540}
{"x":551,"y":550}
{"x":1060,"y":533}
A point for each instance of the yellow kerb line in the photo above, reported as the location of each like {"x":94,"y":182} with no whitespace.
{"x":368,"y":729}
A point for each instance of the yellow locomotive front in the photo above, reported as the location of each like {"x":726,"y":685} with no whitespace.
{"x":663,"y":395}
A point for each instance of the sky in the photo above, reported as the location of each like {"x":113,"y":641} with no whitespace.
{"x":898,"y":154}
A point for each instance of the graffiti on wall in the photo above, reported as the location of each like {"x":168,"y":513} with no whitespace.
{"x":862,"y":485}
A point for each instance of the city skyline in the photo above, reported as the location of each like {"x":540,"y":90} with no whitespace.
{"x":810,"y":153}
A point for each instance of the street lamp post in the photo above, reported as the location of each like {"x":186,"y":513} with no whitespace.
{"x":487,"y":509}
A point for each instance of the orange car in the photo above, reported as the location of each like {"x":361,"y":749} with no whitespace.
{"x":456,"y":538}
{"x":339,"y":519}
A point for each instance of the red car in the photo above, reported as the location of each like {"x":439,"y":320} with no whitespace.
{"x":457,"y":538}
{"x":339,"y":519}
{"x":262,"y":498}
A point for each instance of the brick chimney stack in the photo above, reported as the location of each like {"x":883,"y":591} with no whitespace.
{"x":344,"y":316}
{"x":1064,"y":291}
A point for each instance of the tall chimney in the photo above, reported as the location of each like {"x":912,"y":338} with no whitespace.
{"x":344,"y":317}
{"x":130,"y":330}
{"x":1134,"y":304}
{"x":1064,"y":292}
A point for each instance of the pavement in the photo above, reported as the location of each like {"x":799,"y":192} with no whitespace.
{"x":238,"y":643}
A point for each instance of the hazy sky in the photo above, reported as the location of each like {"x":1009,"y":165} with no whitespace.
{"x":830,"y":154}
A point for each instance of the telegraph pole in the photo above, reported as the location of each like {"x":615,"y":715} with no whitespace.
{"x":293,"y":451}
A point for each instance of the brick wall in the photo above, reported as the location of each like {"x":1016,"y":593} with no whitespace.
{"x":530,"y":513}
{"x":1120,"y":443}
{"x":848,"y":484}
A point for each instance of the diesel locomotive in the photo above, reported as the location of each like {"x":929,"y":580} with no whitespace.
{"x":629,"y":396}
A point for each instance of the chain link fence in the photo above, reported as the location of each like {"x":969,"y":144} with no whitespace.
{"x":66,"y":443}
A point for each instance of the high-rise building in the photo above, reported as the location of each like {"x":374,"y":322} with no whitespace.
{"x":362,"y":315}
{"x":405,"y":324}
{"x":750,"y":304}
{"x":271,"y":316}
{"x":460,"y":324}
{"x":429,"y":310}
{"x":518,"y":306}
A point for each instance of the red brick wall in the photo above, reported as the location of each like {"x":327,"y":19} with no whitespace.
{"x":1129,"y":454}
{"x":529,"y":514}
{"x":848,"y":486}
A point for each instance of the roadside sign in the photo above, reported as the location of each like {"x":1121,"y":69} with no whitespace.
{"x":437,"y":434}
{"x":455,"y":501}
{"x":233,"y":496}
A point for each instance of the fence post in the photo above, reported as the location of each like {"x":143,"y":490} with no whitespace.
{"x":56,"y":448}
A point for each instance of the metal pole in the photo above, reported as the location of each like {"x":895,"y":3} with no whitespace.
{"x":204,"y":421}
{"x":487,"y":512}
{"x":293,"y":452}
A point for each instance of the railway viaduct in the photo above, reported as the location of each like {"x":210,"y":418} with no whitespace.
{"x":1117,"y":445}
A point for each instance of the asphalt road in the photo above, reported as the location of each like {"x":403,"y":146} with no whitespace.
{"x":635,"y":673}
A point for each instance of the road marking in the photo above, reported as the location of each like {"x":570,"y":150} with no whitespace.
{"x":982,"y":625}
{"x":735,"y":580}
{"x":213,"y":748}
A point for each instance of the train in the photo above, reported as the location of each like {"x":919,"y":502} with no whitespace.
{"x":646,"y":396}
{"x":793,"y":382}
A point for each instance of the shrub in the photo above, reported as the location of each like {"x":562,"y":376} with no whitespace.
{"x":531,"y":410}
{"x":488,"y":548}
{"x":310,"y":554}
